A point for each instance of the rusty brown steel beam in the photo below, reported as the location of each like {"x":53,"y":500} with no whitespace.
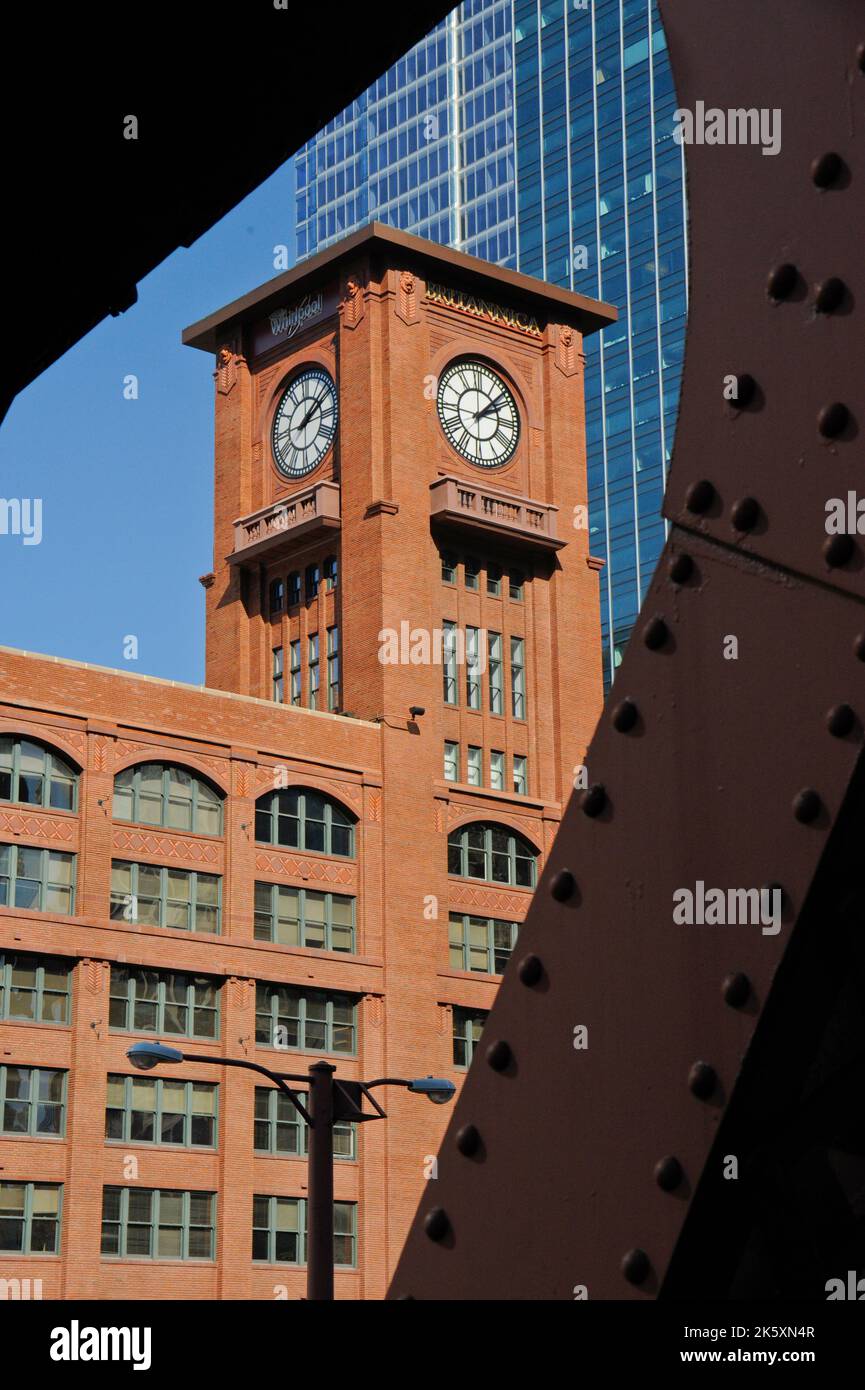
{"x":729,"y":754}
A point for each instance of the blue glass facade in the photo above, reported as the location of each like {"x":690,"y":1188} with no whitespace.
{"x":429,"y":148}
{"x":539,"y":133}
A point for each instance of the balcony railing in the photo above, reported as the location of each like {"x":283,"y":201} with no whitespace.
{"x":481,"y":507}
{"x":268,"y":531}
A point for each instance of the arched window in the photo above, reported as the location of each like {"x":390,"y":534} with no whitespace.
{"x":34,"y":775}
{"x":300,"y":818}
{"x":493,"y":853}
{"x":160,"y":794}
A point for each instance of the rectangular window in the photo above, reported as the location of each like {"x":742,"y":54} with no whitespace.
{"x":158,"y":1223}
{"x":165,"y":897}
{"x":497,"y":771}
{"x":472,"y":569}
{"x":311,"y":582}
{"x":32,"y":1101}
{"x":473,"y":673}
{"x":333,"y":668}
{"x":518,"y":678}
{"x":277,"y":597}
{"x":311,"y":1021}
{"x":331,"y":573}
{"x":521,"y":775}
{"x":480,"y":943}
{"x":468,"y":1026}
{"x":278,"y":691}
{"x":155,"y":1110}
{"x":30,"y":1218}
{"x":40,"y":880}
{"x":294,"y":671}
{"x":494,"y":580}
{"x":293,"y":594}
{"x":449,"y":567}
{"x":280,"y":1129}
{"x":494,"y":648}
{"x":279,"y":1231}
{"x":516,"y":580}
{"x":36,"y":988}
{"x":163,"y":1002}
{"x":452,"y":762}
{"x":449,"y":663}
{"x":475,"y":766}
{"x":313,"y":670}
{"x":303,"y":917}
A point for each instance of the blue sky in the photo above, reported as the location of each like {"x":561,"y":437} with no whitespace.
{"x":126,"y":485}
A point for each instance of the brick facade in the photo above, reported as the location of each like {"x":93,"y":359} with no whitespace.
{"x":384,"y":340}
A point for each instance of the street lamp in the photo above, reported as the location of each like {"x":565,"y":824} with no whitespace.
{"x":330,"y":1100}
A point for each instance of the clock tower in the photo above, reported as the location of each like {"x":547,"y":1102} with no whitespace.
{"x":400,"y":452}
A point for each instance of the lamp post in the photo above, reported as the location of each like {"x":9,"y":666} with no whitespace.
{"x":329,"y":1100}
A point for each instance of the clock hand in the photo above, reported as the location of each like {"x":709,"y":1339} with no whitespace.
{"x":309,"y":414}
{"x":493,"y":405}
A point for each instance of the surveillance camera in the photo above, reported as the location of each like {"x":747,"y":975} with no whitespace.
{"x":415,"y":710}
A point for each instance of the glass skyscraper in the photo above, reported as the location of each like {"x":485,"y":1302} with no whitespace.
{"x":539,"y":134}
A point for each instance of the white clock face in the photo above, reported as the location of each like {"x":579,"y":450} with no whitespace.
{"x":305,"y":422}
{"x":478,"y":414}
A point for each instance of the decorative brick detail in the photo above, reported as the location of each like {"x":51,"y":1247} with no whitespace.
{"x":348,"y":792}
{"x":567,"y":357}
{"x":242,"y":779}
{"x":352,"y":302}
{"x":167,"y":847}
{"x":295,"y":866}
{"x":38,"y":827}
{"x":94,"y":974}
{"x":406,"y":307}
{"x":494,"y":902}
{"x":373,"y":1010}
{"x":226,"y":370}
{"x":241,"y":992}
{"x":100,"y":750}
{"x":373,"y":807}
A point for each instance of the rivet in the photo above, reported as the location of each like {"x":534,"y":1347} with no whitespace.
{"x":593,"y":800}
{"x":702,"y":1080}
{"x":746,"y":390}
{"x":530,"y":969}
{"x":837,"y":550}
{"x":636,"y":1266}
{"x":625,"y":715}
{"x":680,"y":568}
{"x":563,"y":885}
{"x":782,"y":280}
{"x":655,"y":633}
{"x":826,"y":170}
{"x":436,"y":1223}
{"x":830,"y":294}
{"x":700,"y":496}
{"x":736,"y":989}
{"x":468,"y":1140}
{"x":745,"y":514}
{"x":859,"y":647}
{"x":668,"y":1173}
{"x":860,"y":57}
{"x":840,"y":720}
{"x":833,"y":419}
{"x":806,"y":805}
{"x":498,"y":1055}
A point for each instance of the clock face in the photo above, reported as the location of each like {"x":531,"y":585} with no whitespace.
{"x":305,"y":422}
{"x":478,"y":414}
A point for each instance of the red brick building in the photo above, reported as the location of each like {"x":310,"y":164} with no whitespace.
{"x":328,"y":849}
